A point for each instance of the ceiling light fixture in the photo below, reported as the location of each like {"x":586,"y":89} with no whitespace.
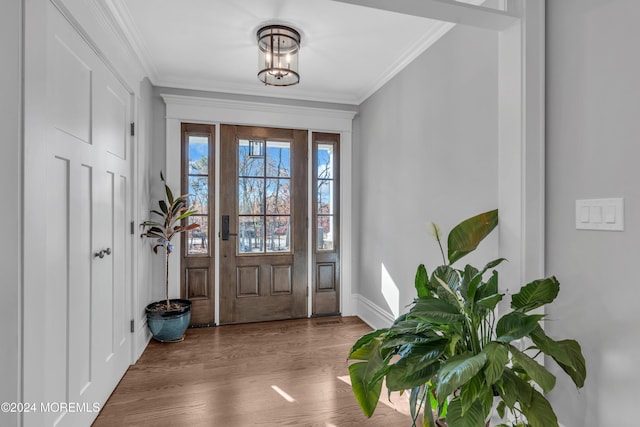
{"x":278,"y":51}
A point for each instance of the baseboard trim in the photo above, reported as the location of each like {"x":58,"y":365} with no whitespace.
{"x":142,"y":337}
{"x":371,"y":313}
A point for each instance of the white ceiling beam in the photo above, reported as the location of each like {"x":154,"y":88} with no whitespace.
{"x":445,"y":10}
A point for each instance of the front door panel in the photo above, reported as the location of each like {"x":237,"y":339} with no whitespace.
{"x":263,"y":203}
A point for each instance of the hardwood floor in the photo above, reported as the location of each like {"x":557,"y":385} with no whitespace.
{"x":287,"y":373}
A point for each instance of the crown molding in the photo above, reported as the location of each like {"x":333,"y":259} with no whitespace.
{"x":409,"y":55}
{"x":121,"y":16}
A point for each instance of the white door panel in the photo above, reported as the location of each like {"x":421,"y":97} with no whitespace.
{"x":87,"y":345}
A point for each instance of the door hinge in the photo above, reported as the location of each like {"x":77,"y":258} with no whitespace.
{"x":133,"y":128}
{"x":133,"y":227}
{"x":133,"y":326}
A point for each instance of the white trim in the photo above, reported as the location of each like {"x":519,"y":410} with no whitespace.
{"x":120,"y":14}
{"x":216,"y":226}
{"x":257,"y":113}
{"x":521,"y":146}
{"x":371,"y":313}
{"x":346,"y":222}
{"x":293,"y":92}
{"x":437,"y":31}
{"x":215,"y":111}
{"x":445,"y":10}
{"x":310,"y":248}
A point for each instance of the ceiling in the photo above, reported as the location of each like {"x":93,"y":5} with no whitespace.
{"x":347,"y":51}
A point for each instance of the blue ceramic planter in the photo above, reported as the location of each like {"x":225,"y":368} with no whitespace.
{"x":169,"y":325}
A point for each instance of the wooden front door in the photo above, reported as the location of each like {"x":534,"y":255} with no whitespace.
{"x":263,"y":241}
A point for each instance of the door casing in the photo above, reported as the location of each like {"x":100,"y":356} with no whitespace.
{"x":181,"y":109}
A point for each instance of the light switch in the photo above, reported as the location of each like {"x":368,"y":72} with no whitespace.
{"x":584,"y":214}
{"x":595,"y":214}
{"x":610,"y":214}
{"x":600,"y":214}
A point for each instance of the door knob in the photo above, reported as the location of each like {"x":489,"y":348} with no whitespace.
{"x":102,"y":253}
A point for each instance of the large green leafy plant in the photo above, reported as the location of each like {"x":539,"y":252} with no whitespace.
{"x":455,"y":356}
{"x":172,"y":211}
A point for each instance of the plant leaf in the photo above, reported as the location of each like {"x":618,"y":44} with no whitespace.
{"x":457,"y":371}
{"x":366,"y":377}
{"x":422,"y":281}
{"x":400,"y":377}
{"x":473,"y":417}
{"x":367,"y":393}
{"x":579,"y":373}
{"x":449,"y":276}
{"x":535,"y":294}
{"x":417,"y":366}
{"x":465,"y":237}
{"x":539,"y":412}
{"x":550,"y":347}
{"x":186,"y":215}
{"x":357,"y":351}
{"x":169,"y":194}
{"x":489,"y":303}
{"x":163,"y":207}
{"x":497,"y":359}
{"x":515,"y":325}
{"x":514,"y":389}
{"x":538,"y":373}
{"x":475,"y":390}
{"x":416,"y":400}
{"x":488,"y":289}
{"x":407,"y":326}
{"x":404,"y":339}
{"x":501,"y":409}
{"x":467,"y":279}
{"x":435,"y":311}
{"x":492,"y":264}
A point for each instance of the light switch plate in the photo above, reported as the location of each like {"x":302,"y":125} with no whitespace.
{"x":600,"y":214}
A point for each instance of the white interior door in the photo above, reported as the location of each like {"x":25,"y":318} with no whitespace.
{"x":88,"y":246}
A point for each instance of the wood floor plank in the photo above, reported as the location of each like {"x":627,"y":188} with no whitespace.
{"x":228,"y":376}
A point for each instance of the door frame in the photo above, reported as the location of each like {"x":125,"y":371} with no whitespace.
{"x":220,"y":111}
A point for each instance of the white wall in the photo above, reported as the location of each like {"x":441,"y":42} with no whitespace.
{"x":143,"y":255}
{"x":426,"y":147}
{"x":11,"y":190}
{"x":593,"y":132}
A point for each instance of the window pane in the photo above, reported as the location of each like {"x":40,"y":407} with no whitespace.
{"x":325,"y":232}
{"x":250,"y":196}
{"x":198,"y":155}
{"x":278,"y":196}
{"x":325,"y":197}
{"x":278,"y":234}
{"x":324,"y":166}
{"x":251,"y":234}
{"x":198,"y":239}
{"x":278,"y":159}
{"x":199,"y":194}
{"x":248,"y":165}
